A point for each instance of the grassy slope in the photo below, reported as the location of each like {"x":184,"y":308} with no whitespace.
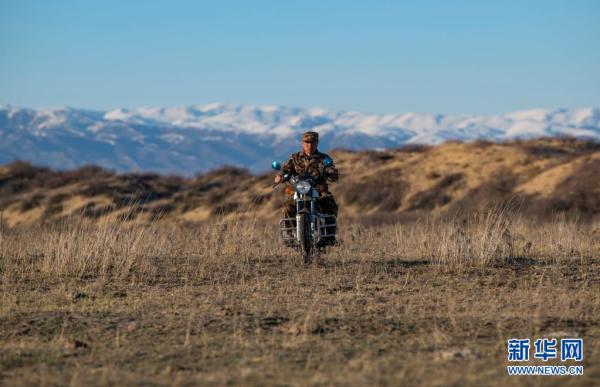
{"x":545,"y":177}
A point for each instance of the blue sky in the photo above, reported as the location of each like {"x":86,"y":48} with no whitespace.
{"x":386,"y":56}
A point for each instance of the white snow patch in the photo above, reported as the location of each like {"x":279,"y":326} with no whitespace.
{"x":173,"y":138}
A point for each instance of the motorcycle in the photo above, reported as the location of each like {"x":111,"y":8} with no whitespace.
{"x":310,"y":231}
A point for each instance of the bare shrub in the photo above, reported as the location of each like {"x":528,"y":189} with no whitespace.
{"x":51,"y":210}
{"x":31,"y":202}
{"x":22,"y":176}
{"x":58,"y":198}
{"x":581,"y":190}
{"x":225,"y":209}
{"x":417,"y":148}
{"x":376,"y":191}
{"x":378,"y":157}
{"x":435,"y":196}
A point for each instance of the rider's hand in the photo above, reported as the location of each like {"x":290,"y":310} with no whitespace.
{"x":277,"y":179}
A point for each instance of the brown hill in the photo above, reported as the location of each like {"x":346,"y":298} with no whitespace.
{"x":544,"y":178}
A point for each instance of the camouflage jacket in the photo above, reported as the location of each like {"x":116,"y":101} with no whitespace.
{"x":302,"y":164}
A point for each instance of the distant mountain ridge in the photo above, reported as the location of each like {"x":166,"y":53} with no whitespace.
{"x":187,"y":140}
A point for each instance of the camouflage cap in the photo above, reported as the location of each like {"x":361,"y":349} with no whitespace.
{"x":310,"y":137}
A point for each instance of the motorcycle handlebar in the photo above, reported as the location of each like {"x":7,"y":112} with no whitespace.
{"x":287,"y":177}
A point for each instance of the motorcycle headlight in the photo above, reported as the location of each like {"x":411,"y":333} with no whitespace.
{"x":302,"y":187}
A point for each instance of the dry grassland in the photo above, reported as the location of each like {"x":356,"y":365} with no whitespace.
{"x":431,"y":302}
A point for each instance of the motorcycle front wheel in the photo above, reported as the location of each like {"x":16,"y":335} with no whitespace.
{"x":305,"y":238}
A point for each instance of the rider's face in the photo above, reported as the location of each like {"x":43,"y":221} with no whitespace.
{"x":309,"y":147}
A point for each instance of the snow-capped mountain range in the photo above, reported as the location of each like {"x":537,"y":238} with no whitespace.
{"x":186,"y":140}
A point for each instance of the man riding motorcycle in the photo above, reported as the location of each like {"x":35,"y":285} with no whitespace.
{"x":311,"y":162}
